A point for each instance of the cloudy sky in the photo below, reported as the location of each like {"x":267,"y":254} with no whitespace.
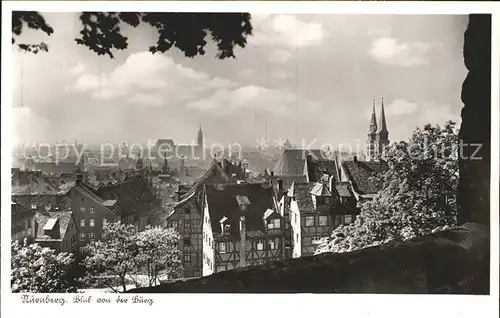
{"x":308,"y":76}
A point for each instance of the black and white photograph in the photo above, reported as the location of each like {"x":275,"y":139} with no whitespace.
{"x":160,"y":152}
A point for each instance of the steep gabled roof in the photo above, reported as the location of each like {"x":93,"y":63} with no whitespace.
{"x":360,"y":174}
{"x":222,"y":202}
{"x":317,"y":168}
{"x":292,"y":161}
{"x":302,"y":193}
{"x":42,"y":218}
{"x":133,"y":196}
{"x":214,"y":174}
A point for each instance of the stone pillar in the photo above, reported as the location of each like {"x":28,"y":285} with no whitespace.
{"x":475,"y":132}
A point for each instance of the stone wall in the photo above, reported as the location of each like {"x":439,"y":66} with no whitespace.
{"x":453,"y":261}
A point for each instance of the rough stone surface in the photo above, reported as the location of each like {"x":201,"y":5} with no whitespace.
{"x":475,"y":130}
{"x":453,"y":261}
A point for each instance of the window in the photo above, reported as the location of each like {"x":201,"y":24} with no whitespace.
{"x":221,"y":268}
{"x":175,"y":224}
{"x":187,"y":225}
{"x":82,"y":223}
{"x":187,"y":241}
{"x":82,"y":199}
{"x":297,"y":237}
{"x":272,"y":245}
{"x":92,"y":222}
{"x":260,"y":262}
{"x":347,"y":219}
{"x":104,"y":222}
{"x":309,"y":220}
{"x":82,"y":209}
{"x":323,"y":220}
{"x":274,"y":224}
{"x":277,"y":223}
{"x":82,"y":250}
{"x":260,"y":245}
{"x":222,"y":247}
{"x":187,"y":210}
{"x":327,"y":200}
{"x":92,"y":210}
{"x":187,"y":257}
{"x":33,"y":206}
{"x":315,"y":240}
{"x":82,"y":236}
{"x":91,"y":236}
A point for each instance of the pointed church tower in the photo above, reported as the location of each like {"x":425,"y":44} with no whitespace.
{"x":382,"y":132}
{"x":371,"y":147}
{"x":200,"y":137}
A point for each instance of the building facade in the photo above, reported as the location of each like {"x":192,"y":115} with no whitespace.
{"x":242,"y":227}
{"x":186,"y":218}
{"x":58,"y":231}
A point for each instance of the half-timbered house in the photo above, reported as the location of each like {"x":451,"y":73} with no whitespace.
{"x":242,"y":226}
{"x":186,"y":216}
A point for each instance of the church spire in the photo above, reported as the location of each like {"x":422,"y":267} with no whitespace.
{"x":373,"y":122}
{"x":382,"y":128}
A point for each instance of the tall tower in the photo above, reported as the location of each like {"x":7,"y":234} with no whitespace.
{"x":200,"y":137}
{"x":382,"y":132}
{"x":371,"y":146}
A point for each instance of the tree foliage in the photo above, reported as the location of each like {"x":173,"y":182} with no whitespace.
{"x":37,"y":269}
{"x":158,"y":252}
{"x":418,"y":196}
{"x":124,"y":253}
{"x":101,"y":31}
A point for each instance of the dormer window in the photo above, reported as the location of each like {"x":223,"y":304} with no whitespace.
{"x":225,"y":227}
{"x":274,"y":224}
{"x":34,"y":206}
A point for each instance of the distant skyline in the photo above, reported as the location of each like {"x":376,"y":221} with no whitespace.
{"x":307,"y":76}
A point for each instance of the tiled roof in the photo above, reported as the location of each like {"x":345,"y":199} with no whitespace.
{"x":360,"y":173}
{"x":292,"y":161}
{"x":214,"y":174}
{"x":56,"y":168}
{"x":61,"y":202}
{"x":317,"y":168}
{"x":133,"y":196}
{"x":222,"y":202}
{"x":344,"y":189}
{"x":63,"y":217}
{"x":302,"y":193}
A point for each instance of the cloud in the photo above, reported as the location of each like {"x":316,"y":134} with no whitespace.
{"x":27,"y":125}
{"x":76,"y":69}
{"x":250,"y":74}
{"x":393,"y":52}
{"x":280,"y":56}
{"x":400,"y":107}
{"x":148,"y":74}
{"x":224,"y":102}
{"x":287,"y":31}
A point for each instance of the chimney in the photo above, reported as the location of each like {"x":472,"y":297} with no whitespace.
{"x":243,"y":247}
{"x":243,"y":203}
{"x":331,"y":184}
{"x":280,"y":187}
